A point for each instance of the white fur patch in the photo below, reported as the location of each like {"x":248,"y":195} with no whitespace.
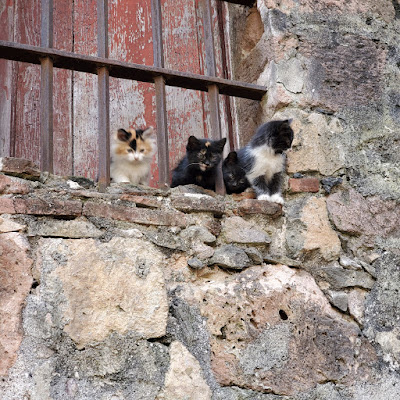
{"x":275,"y":198}
{"x":266,"y":163}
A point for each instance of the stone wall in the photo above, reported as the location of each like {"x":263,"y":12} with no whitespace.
{"x":140,"y":293}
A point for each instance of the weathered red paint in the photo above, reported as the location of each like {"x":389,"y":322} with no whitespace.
{"x":132,"y":104}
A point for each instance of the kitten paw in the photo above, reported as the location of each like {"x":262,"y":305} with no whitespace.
{"x":275,"y":198}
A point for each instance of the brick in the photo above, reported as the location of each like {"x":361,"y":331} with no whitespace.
{"x":250,"y":206}
{"x":10,"y":185}
{"x":137,"y":215}
{"x":6,"y":205}
{"x":144,"y":201}
{"x":48,"y":207}
{"x":19,"y":167}
{"x":194,"y":202}
{"x":300,"y":185}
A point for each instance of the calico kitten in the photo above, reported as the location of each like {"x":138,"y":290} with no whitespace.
{"x":199,"y":166}
{"x":234,"y":174}
{"x":263,"y":159}
{"x":132,"y":152}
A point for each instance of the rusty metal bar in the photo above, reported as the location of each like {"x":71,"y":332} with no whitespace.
{"x":213,"y":90}
{"x":225,"y":74}
{"x":103,"y":97}
{"x":248,"y":3}
{"x":46,"y":89}
{"x":161,"y":105}
{"x":119,"y":69}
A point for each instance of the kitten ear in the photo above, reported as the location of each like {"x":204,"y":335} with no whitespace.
{"x":123,"y":135}
{"x":193,"y":143}
{"x":148,"y":132}
{"x":232,"y":157}
{"x":219,"y":144}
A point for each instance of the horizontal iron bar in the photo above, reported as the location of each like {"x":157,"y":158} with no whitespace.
{"x":249,"y":3}
{"x":119,"y":69}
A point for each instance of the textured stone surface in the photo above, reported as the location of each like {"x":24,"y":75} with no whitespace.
{"x":8,"y":225}
{"x":184,"y":378}
{"x":15,"y":283}
{"x":353,"y":213}
{"x":250,"y":206}
{"x":109,"y":287}
{"x":134,"y":214}
{"x":238,"y":230}
{"x":282,"y":335}
{"x":304,"y":185}
{"x":13,"y":185}
{"x":315,"y":146}
{"x":319,"y":234}
{"x":77,"y":228}
{"x":19,"y":167}
{"x":230,"y":256}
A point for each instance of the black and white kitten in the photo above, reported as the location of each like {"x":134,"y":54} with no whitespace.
{"x":199,"y":166}
{"x":234,"y":174}
{"x":263,"y":159}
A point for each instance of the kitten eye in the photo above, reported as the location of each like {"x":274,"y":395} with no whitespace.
{"x":130,"y":150}
{"x":142,"y":151}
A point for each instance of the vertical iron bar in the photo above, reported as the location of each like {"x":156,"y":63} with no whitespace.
{"x":213,"y":91}
{"x":227,"y":99}
{"x":103,"y":97}
{"x":161,"y":107}
{"x":46,"y":89}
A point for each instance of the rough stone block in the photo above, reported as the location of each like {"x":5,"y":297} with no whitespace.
{"x":230,"y":256}
{"x":15,"y":284}
{"x":11,"y":185}
{"x":7,"y":205}
{"x":238,"y":230}
{"x":48,"y":206}
{"x":283,"y":333}
{"x":310,"y":185}
{"x":137,"y":215}
{"x":249,"y":206}
{"x":196,"y":202}
{"x":144,"y":201}
{"x":109,"y":287}
{"x":19,"y":167}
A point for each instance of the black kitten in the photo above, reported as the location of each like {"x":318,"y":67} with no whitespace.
{"x":263,"y":159}
{"x":234,"y":174}
{"x":199,"y":166}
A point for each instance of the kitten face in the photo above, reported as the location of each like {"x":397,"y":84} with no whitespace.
{"x":135,"y":145}
{"x":234,"y":175}
{"x":276,"y":134}
{"x":205,"y":154}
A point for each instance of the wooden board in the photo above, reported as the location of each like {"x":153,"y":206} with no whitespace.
{"x":132,"y":104}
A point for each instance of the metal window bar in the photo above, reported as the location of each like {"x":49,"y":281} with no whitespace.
{"x":101,"y":65}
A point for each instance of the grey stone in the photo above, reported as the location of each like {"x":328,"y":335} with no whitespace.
{"x":348,"y":263}
{"x":338,"y":299}
{"x":381,"y":313}
{"x":271,"y":259}
{"x":77,"y":228}
{"x":270,"y":350}
{"x":255,"y":255}
{"x":198,"y":233}
{"x":238,"y":230}
{"x":339,"y":277}
{"x":163,"y":237}
{"x":330,"y":182}
{"x":195,"y":263}
{"x":230,"y":256}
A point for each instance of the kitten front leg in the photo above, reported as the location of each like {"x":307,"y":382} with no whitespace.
{"x":120,"y":178}
{"x":268,"y":190}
